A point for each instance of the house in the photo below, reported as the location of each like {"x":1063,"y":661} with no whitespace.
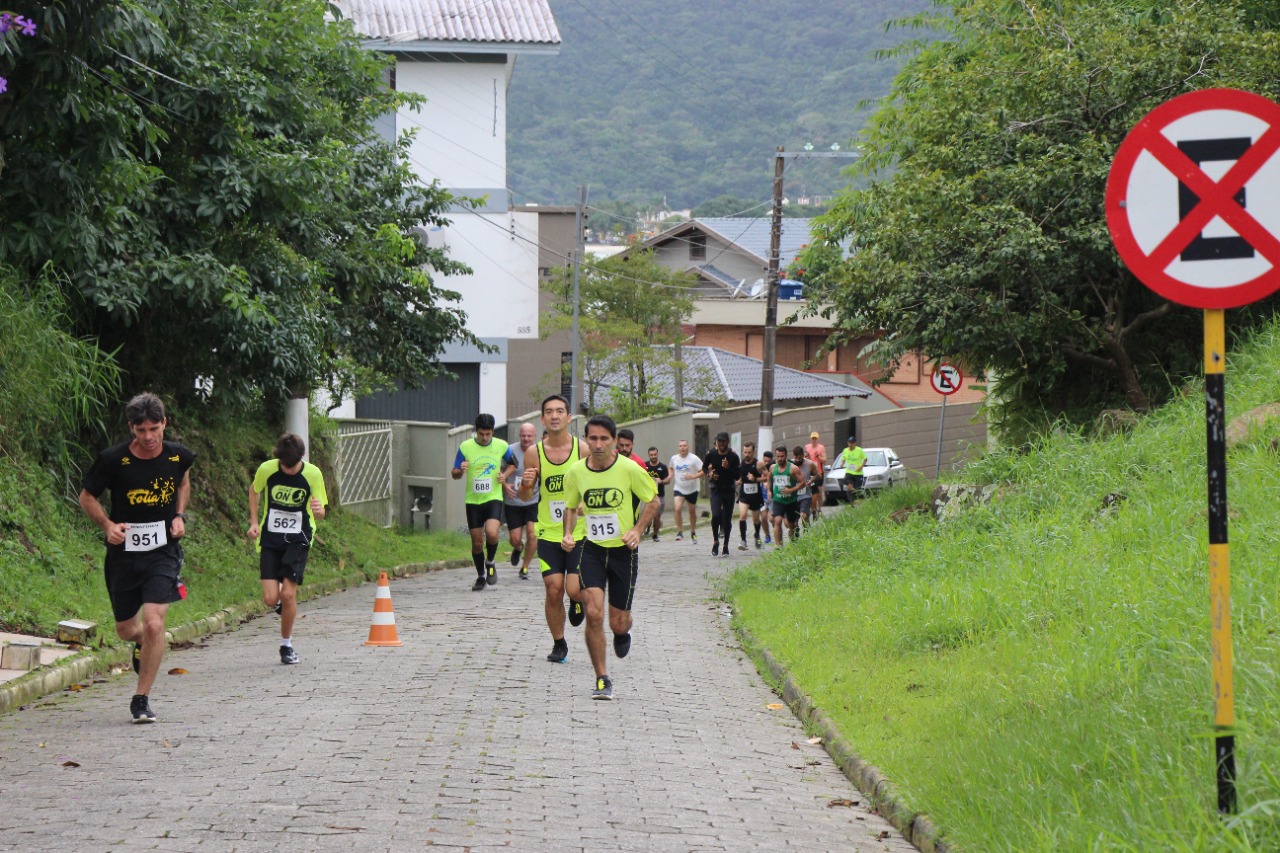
{"x":461,"y":55}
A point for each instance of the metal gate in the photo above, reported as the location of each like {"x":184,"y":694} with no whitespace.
{"x":362,"y":467}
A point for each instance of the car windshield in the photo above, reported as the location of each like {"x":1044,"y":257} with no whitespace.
{"x":875,"y":458}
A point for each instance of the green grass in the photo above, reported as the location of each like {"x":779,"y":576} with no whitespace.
{"x":51,"y":556}
{"x":1035,"y":673}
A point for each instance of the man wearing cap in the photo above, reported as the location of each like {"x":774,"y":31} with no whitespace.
{"x":723,"y":469}
{"x":816,"y":453}
{"x":854,"y":458}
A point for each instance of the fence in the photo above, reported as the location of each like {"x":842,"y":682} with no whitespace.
{"x":363,"y":469}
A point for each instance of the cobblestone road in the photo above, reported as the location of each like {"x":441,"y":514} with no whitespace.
{"x":464,"y":739}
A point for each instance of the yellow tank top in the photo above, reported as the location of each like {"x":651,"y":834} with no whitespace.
{"x":551,"y":505}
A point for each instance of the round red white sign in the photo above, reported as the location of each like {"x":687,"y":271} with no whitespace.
{"x":946,"y":379}
{"x":1193,"y":198}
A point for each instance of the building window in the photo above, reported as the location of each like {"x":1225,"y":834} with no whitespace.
{"x":697,"y":246}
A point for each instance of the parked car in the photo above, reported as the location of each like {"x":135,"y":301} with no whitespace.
{"x":883,"y":470}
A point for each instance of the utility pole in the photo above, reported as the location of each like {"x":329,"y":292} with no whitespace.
{"x":575,"y":378}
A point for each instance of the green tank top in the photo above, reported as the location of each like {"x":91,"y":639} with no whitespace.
{"x":780,"y":481}
{"x":551,"y":504}
{"x":610,"y":499}
{"x":484,"y":469}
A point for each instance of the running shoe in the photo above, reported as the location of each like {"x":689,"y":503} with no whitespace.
{"x":524,"y":573}
{"x":742,"y":546}
{"x":137,"y":658}
{"x":141,"y":710}
{"x":621,"y":644}
{"x":279,"y":608}
{"x":655,"y":537}
{"x":693,"y":537}
{"x":757,"y":543}
{"x":768,"y":540}
{"x":679,"y":537}
{"x":478,"y":585}
{"x":490,"y":574}
{"x":288,"y":655}
{"x":515,"y":557}
{"x":559,"y":652}
{"x":603,"y":688}
{"x":715,"y":549}
{"x":576,"y":613}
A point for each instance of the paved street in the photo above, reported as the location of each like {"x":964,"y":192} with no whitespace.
{"x":465,"y":738}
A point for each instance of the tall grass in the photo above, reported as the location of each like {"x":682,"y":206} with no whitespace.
{"x":1035,"y":673}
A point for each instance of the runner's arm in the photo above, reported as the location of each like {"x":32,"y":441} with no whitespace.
{"x":179,"y":524}
{"x":459,"y":465}
{"x":253,"y":512}
{"x":531,"y":472}
{"x":632,"y":537}
{"x":93,"y":509}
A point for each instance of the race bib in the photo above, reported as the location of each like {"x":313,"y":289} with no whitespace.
{"x":557,"y":511}
{"x":279,"y":521}
{"x":603,"y":527}
{"x":145,"y":537}
{"x":749,"y":488}
{"x":482,"y":486}
{"x":780,"y":483}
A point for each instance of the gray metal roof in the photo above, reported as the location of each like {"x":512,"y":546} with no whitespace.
{"x":403,"y":22}
{"x":748,"y":235}
{"x":738,"y":379}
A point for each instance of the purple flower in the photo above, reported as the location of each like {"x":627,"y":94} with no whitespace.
{"x":5,"y":19}
{"x":28,"y":26}
{"x":4,"y":85}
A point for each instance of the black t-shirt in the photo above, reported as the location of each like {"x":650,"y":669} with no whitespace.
{"x":749,"y":472}
{"x":142,"y":490}
{"x":658,"y":471}
{"x":725,"y":468}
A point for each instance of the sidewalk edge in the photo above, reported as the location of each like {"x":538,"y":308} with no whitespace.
{"x":76,"y":668}
{"x":916,"y":827}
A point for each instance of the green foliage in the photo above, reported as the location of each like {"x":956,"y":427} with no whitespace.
{"x":687,"y":101}
{"x":1035,"y":674}
{"x":983,"y":237}
{"x":628,"y":306}
{"x":53,"y":385}
{"x":207,"y":178}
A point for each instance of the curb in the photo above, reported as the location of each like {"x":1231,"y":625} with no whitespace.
{"x":76,"y":668}
{"x":916,"y":827}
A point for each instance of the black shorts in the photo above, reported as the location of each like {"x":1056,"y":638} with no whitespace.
{"x":142,"y":577}
{"x":519,"y":516}
{"x":555,"y":560}
{"x":478,"y":514}
{"x":693,"y":498}
{"x":611,"y":569}
{"x":751,"y":502}
{"x":287,"y":563}
{"x":853,"y":481}
{"x":791,"y":512}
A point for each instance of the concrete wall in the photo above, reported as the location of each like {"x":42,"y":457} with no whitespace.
{"x":791,"y":426}
{"x":913,"y":433}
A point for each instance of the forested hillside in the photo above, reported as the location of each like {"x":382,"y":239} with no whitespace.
{"x":688,"y":100}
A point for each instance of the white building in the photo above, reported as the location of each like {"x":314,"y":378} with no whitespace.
{"x":461,"y":54}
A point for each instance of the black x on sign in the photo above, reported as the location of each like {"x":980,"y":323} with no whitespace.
{"x":1193,"y":198}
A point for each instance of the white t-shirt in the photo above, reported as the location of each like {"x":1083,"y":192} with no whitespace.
{"x":681,"y":468}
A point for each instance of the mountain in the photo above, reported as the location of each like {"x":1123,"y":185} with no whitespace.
{"x":687,"y":101}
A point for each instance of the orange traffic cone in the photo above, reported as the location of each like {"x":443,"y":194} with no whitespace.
{"x":383,"y":630}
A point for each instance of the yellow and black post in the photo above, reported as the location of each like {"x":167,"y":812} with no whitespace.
{"x":1224,"y":712}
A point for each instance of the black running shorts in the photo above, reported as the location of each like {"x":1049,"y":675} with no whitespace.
{"x":555,"y":560}
{"x":519,"y":516}
{"x":611,"y":569}
{"x":791,"y":512}
{"x":144,"y":577}
{"x":478,"y":514}
{"x":693,"y":498}
{"x":287,"y":563}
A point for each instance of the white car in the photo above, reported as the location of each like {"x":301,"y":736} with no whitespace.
{"x":883,"y":470}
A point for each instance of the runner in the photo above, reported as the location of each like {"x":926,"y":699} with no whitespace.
{"x":287,"y":519}
{"x":766,"y":462}
{"x":805,"y":497}
{"x":150,"y":489}
{"x":661,"y":475}
{"x":817,"y":454}
{"x":486,"y":462}
{"x":784,"y":482}
{"x":686,"y":470}
{"x":545,"y":466}
{"x":619,"y":500}
{"x":750,"y":496}
{"x":722,"y":466}
{"x":522,"y":515}
{"x":626,"y":444}
{"x":854,"y":459}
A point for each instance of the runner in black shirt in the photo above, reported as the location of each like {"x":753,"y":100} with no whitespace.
{"x":750,"y":494}
{"x":661,"y":475}
{"x":150,"y":489}
{"x":722,"y":466}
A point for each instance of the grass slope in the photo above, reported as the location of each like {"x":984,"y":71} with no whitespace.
{"x":1035,"y":673}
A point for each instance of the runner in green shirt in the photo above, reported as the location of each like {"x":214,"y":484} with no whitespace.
{"x":486,"y":462}
{"x":854,"y":458}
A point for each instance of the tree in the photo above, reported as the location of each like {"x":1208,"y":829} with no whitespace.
{"x":983,"y":237}
{"x":726,"y":205}
{"x":630,"y":307}
{"x":207,"y":178}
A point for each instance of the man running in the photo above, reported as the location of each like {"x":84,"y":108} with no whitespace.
{"x":619,"y":500}
{"x":766,"y":462}
{"x":686,"y":471}
{"x":626,"y":446}
{"x":522,"y":515}
{"x":784,"y":482}
{"x":805,"y":497}
{"x":295,"y":501}
{"x":661,"y":475}
{"x":750,"y":495}
{"x":486,"y":462}
{"x":722,"y":466}
{"x":854,"y":459}
{"x":545,"y":467}
{"x":817,"y":454}
{"x":150,"y":488}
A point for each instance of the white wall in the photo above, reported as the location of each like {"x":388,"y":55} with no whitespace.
{"x":500,"y":295}
{"x":493,"y":391}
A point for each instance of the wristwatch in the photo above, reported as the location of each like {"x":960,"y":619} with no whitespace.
{"x":181,"y":515}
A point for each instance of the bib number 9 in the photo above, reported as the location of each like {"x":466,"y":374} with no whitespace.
{"x":603,"y":527}
{"x":557,"y":511}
